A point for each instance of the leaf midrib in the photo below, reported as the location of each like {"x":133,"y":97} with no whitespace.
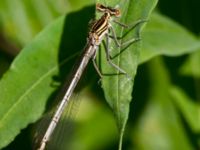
{"x":118,"y":78}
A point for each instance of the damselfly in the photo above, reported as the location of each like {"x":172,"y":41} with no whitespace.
{"x":99,"y":29}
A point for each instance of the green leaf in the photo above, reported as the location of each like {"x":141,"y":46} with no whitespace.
{"x":163,"y":36}
{"x":28,"y":84}
{"x":189,"y":109}
{"x":190,"y":67}
{"x":23,"y":94}
{"x":118,"y":88}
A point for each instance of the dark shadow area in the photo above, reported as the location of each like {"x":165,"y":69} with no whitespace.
{"x":186,"y":12}
{"x":5,"y":61}
{"x":72,"y":43}
{"x":140,"y":93}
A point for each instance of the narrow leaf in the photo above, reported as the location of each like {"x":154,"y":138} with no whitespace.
{"x":118,"y":87}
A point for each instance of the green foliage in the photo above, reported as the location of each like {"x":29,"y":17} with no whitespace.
{"x":165,"y":113}
{"x":184,"y":41}
{"x":189,"y":67}
{"x":117,"y":87}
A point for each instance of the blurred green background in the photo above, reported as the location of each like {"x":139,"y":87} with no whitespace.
{"x":165,"y":113}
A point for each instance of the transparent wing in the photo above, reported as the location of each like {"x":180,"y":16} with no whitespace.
{"x":64,"y":128}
